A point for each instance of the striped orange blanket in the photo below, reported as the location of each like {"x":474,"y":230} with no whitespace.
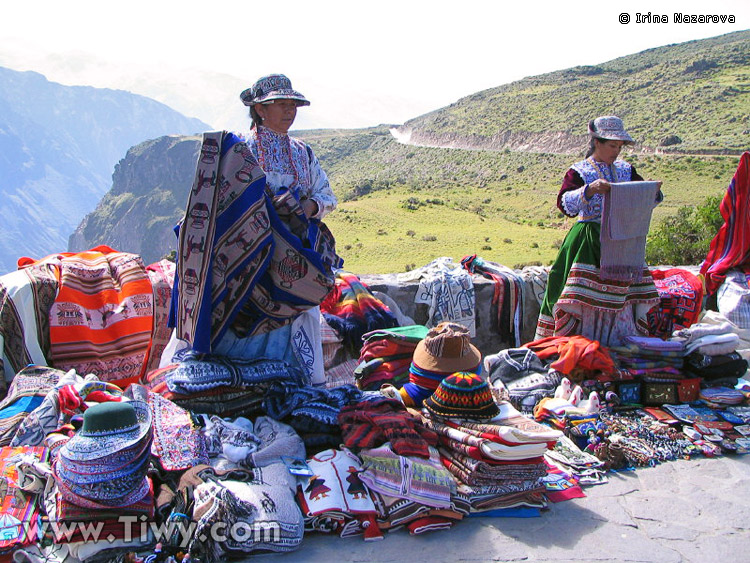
{"x":102,"y":317}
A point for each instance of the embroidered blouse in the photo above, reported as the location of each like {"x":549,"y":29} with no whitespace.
{"x":571,"y":199}
{"x":291,"y":163}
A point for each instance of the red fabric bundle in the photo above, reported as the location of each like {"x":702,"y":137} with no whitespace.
{"x":730,"y":248}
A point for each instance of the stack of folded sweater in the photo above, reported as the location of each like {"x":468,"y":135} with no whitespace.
{"x":495,"y":454}
{"x":711,"y":353}
{"x":386,"y":355}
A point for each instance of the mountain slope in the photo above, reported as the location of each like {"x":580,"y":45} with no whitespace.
{"x":403,"y":205}
{"x":689,"y":97}
{"x":148,"y":196}
{"x":58,"y":147}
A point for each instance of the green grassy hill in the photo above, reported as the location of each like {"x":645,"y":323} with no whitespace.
{"x":402,"y":206}
{"x":690,"y":97}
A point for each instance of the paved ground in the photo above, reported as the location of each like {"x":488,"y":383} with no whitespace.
{"x":696,"y":510}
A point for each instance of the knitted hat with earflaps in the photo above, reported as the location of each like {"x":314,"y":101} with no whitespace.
{"x":462,"y":395}
{"x":445,"y":349}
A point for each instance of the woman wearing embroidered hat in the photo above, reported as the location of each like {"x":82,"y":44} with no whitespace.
{"x":286,"y":161}
{"x":577,"y":299}
{"x":258,"y":249}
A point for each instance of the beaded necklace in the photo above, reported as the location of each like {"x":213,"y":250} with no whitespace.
{"x":286,"y":147}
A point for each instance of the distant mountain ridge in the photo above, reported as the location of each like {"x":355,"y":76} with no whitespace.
{"x":58,"y":148}
{"x":691,"y":97}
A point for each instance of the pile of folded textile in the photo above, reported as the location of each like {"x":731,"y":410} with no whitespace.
{"x":401,"y":468}
{"x":494,"y":453}
{"x":220,"y":385}
{"x":651,"y":358}
{"x":386,"y":356}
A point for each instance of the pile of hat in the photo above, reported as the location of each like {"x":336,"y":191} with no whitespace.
{"x":445,"y":349}
{"x":104,"y":465}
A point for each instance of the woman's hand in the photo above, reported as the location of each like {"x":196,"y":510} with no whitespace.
{"x":597,"y":187}
{"x":309,"y":207}
{"x":659,"y":195}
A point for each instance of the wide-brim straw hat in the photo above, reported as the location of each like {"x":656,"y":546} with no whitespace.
{"x":447,"y":348}
{"x":610,"y":127}
{"x":272,"y":87}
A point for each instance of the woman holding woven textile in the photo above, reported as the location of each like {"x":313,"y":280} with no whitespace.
{"x":577,"y":300}
{"x":288,"y":163}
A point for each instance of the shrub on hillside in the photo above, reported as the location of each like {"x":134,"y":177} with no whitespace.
{"x":683,"y":239}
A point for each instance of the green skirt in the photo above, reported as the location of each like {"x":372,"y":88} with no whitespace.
{"x":578,"y":301}
{"x":581,"y":245}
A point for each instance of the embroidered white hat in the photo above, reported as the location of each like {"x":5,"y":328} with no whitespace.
{"x":610,"y":127}
{"x":272,"y":87}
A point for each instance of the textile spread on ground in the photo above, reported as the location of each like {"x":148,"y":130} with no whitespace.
{"x":93,"y":430}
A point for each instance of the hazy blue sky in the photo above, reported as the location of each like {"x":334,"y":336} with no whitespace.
{"x":360,"y":62}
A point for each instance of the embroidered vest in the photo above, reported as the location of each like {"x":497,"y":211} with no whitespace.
{"x":592,"y":210}
{"x":589,"y":172}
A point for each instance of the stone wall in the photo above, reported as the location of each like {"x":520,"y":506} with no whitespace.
{"x":487,"y":340}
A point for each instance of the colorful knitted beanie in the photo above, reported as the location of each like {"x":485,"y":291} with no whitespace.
{"x":445,"y":349}
{"x":463,"y":395}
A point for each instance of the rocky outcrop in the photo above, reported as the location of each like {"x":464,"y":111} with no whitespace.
{"x":149,"y":191}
